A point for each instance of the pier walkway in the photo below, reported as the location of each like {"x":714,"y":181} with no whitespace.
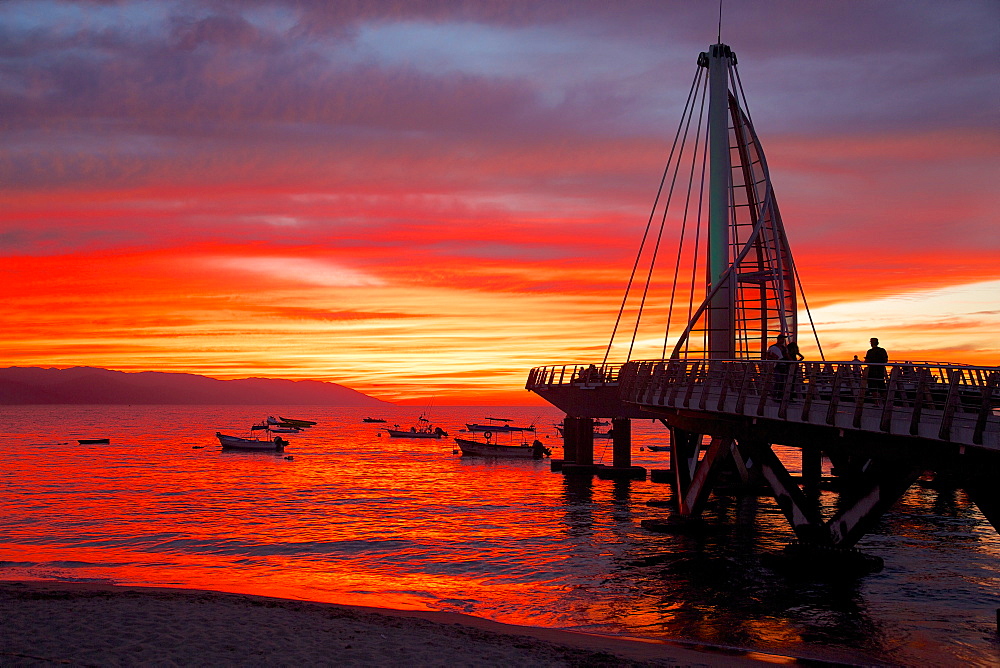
{"x":949,"y":404}
{"x":880,"y":436}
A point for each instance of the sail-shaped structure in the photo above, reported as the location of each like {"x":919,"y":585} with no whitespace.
{"x":734,"y":289}
{"x":750,"y":296}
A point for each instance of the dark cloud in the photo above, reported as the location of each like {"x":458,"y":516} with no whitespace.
{"x":285,"y":96}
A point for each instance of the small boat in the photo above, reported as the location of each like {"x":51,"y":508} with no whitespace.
{"x":658,"y":448}
{"x":499,"y":426}
{"x":414,"y":432}
{"x":297,"y":423}
{"x":238,"y":443}
{"x":282,"y":429}
{"x":282,"y":423}
{"x":274,"y":426}
{"x":472,"y":448}
{"x":423,"y":429}
{"x":93,"y":441}
{"x":371,"y":419}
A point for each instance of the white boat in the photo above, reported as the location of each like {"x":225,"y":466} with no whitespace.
{"x":275,"y":427}
{"x":414,"y":432}
{"x":239,"y":443}
{"x":285,"y":426}
{"x":497,"y":425}
{"x":297,"y":423}
{"x":472,"y":448}
{"x":423,"y":429}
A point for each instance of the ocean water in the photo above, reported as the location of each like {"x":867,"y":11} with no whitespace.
{"x":349,"y":515}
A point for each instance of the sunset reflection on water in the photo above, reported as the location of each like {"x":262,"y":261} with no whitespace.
{"x":348,"y":515}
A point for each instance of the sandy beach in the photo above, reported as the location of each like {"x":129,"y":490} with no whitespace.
{"x":85,"y":624}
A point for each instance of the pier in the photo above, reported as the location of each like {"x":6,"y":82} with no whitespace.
{"x":732,"y":385}
{"x":727,"y":415}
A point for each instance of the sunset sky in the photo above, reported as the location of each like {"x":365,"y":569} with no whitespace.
{"x":424,"y":199}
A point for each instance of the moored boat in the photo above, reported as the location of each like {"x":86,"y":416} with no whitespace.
{"x":472,"y":448}
{"x":497,"y":425}
{"x":297,"y":423}
{"x":414,"y":432}
{"x":272,"y":425}
{"x":239,"y":443}
{"x":93,"y":441}
{"x":276,"y":424}
{"x":371,"y":419}
{"x":423,"y":429}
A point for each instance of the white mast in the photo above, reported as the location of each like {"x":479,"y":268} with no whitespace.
{"x":721,"y":321}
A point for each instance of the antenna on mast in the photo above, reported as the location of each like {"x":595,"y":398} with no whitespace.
{"x":720,"y":23}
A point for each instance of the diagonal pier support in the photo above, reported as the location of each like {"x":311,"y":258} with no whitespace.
{"x":700,"y":475}
{"x":978,"y":472}
{"x":862,"y":503}
{"x":880,"y":488}
{"x":801,"y":512}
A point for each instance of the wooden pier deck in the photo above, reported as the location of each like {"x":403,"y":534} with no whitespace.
{"x":880,"y":435}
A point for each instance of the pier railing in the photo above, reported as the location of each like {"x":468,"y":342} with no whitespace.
{"x":952,"y":403}
{"x":580,"y":375}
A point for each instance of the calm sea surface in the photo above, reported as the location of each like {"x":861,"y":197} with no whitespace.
{"x":349,"y":515}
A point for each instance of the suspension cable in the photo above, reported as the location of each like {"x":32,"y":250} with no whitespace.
{"x":697,"y":245}
{"x":638,"y":257}
{"x":812,"y":325}
{"x":663,"y":222}
{"x":767,"y":233}
{"x":684,"y":221}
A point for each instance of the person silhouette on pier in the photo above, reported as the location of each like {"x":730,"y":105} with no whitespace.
{"x":794,"y":372}
{"x":875,"y":373}
{"x":778,"y":353}
{"x":778,"y":349}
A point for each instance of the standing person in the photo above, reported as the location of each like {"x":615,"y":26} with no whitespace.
{"x":778,"y":352}
{"x":875,"y":373}
{"x":794,"y":373}
{"x":778,"y":349}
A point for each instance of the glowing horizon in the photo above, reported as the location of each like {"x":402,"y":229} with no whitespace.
{"x":424,"y":203}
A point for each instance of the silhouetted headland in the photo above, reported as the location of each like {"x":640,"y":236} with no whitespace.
{"x":90,"y":385}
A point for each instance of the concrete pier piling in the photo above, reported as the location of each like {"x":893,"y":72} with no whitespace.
{"x":621,"y":435}
{"x":585,"y":441}
{"x":569,"y":440}
{"x":578,"y":450}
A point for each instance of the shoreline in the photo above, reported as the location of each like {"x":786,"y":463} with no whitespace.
{"x":83,"y":623}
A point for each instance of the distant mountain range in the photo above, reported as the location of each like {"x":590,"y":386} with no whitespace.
{"x":90,"y":385}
